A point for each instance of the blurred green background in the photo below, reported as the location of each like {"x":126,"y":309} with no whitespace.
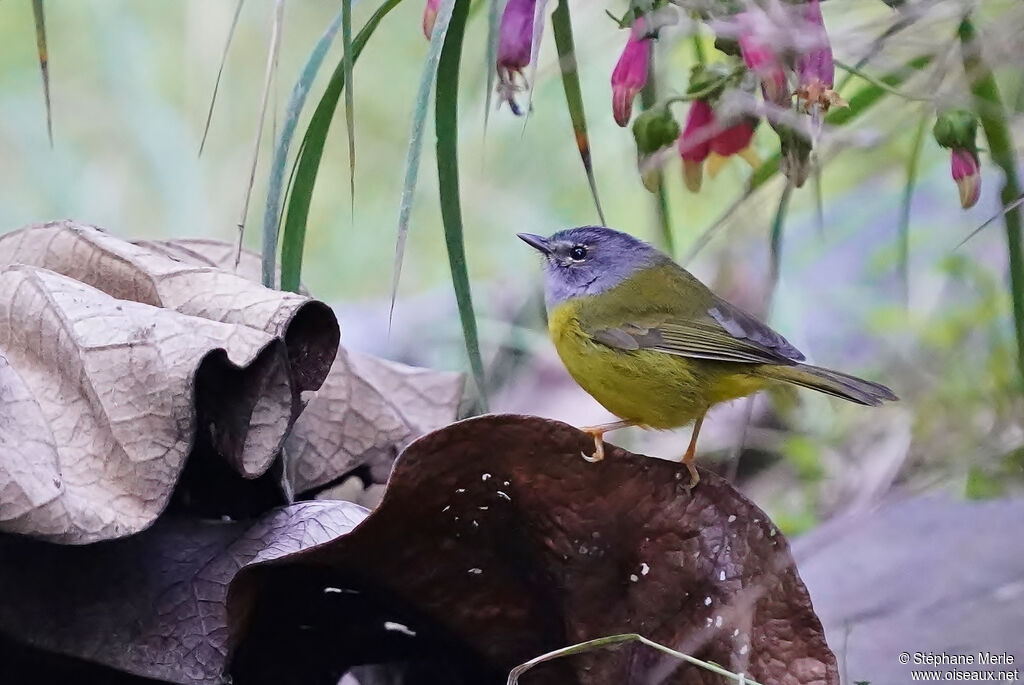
{"x":131,"y":82}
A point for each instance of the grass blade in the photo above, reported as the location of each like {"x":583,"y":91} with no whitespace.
{"x":446,"y":101}
{"x":44,"y":62}
{"x":412,"y":160}
{"x":272,"y":53}
{"x":580,"y":647}
{"x":908,"y":194}
{"x":308,"y":165}
{"x":220,"y":71}
{"x":990,"y":110}
{"x":562,"y":25}
{"x":275,"y":190}
{"x":775,"y":242}
{"x":350,"y":123}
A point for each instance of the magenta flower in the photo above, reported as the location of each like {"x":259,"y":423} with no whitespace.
{"x":762,"y":59}
{"x":816,"y":71}
{"x":515,"y":44}
{"x":430,"y":16}
{"x":967,"y":175}
{"x":630,"y":73}
{"x":695,"y":143}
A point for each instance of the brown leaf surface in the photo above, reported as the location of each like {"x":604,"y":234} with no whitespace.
{"x":153,"y":604}
{"x":496,"y":542}
{"x":106,"y":389}
{"x":367,"y":410}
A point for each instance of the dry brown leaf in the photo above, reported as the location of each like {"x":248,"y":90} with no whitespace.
{"x":107,"y":390}
{"x":152,"y":604}
{"x":495,"y":542}
{"x":367,"y":410}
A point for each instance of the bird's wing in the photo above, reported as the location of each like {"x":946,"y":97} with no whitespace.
{"x":722,"y":333}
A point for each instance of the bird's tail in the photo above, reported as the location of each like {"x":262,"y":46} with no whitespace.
{"x":832,"y":383}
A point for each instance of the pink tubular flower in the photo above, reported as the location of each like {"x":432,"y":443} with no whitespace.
{"x":734,"y":140}
{"x":816,"y":70}
{"x":967,"y":175}
{"x":630,"y":73}
{"x":761,"y":59}
{"x":695,"y":143}
{"x":430,"y":16}
{"x":515,"y":43}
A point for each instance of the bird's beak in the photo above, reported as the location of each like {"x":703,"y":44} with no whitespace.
{"x":539,"y":243}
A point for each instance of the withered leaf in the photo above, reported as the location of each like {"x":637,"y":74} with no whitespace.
{"x":495,"y":542}
{"x":153,"y":604}
{"x":116,"y":360}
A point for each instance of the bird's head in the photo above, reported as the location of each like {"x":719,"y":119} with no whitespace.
{"x":589,"y":260}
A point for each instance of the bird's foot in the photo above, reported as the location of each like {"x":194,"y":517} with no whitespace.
{"x":598,"y":434}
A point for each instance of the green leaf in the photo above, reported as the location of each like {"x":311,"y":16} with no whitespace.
{"x":908,"y":195}
{"x":44,"y":62}
{"x":446,"y":102}
{"x":412,"y":159}
{"x":775,"y":242}
{"x":308,"y":162}
{"x":350,"y":123}
{"x":562,"y":25}
{"x":296,"y":101}
{"x":268,"y":78}
{"x":220,"y":71}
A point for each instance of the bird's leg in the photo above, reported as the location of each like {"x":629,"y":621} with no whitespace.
{"x":692,"y":450}
{"x":598,"y":433}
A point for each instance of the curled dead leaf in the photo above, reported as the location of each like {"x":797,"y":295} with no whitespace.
{"x":495,"y":542}
{"x":117,"y":360}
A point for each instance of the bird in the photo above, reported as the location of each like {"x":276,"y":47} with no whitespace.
{"x":655,"y":346}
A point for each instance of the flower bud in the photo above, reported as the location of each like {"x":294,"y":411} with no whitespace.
{"x":515,"y":44}
{"x":654,"y":131}
{"x":967,"y":175}
{"x":430,"y":16}
{"x":630,"y":73}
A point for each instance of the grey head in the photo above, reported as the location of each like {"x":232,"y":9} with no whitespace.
{"x":589,"y":260}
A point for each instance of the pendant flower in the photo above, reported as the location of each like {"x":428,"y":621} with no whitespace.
{"x":630,"y":73}
{"x":430,"y":16}
{"x":816,"y":71}
{"x":957,"y":130}
{"x":515,"y":43}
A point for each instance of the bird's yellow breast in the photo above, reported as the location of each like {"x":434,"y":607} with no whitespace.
{"x":651,"y":388}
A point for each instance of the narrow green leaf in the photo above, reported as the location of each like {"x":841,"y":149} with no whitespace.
{"x":220,"y":71}
{"x":775,"y":243}
{"x":562,"y":25}
{"x":992,"y":113}
{"x":268,"y":77}
{"x":350,"y":123}
{"x":446,"y":102}
{"x":412,"y":160}
{"x":296,"y":101}
{"x":908,"y":195}
{"x":44,"y":63}
{"x":308,"y":165}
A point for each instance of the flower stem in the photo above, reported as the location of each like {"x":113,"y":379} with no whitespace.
{"x":992,"y":114}
{"x":856,"y":71}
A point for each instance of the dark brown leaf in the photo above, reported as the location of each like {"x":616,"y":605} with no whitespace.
{"x":495,"y":542}
{"x":150,"y":605}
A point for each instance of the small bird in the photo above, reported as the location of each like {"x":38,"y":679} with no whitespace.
{"x":654,"y":345}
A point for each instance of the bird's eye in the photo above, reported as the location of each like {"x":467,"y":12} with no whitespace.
{"x":578,"y":252}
